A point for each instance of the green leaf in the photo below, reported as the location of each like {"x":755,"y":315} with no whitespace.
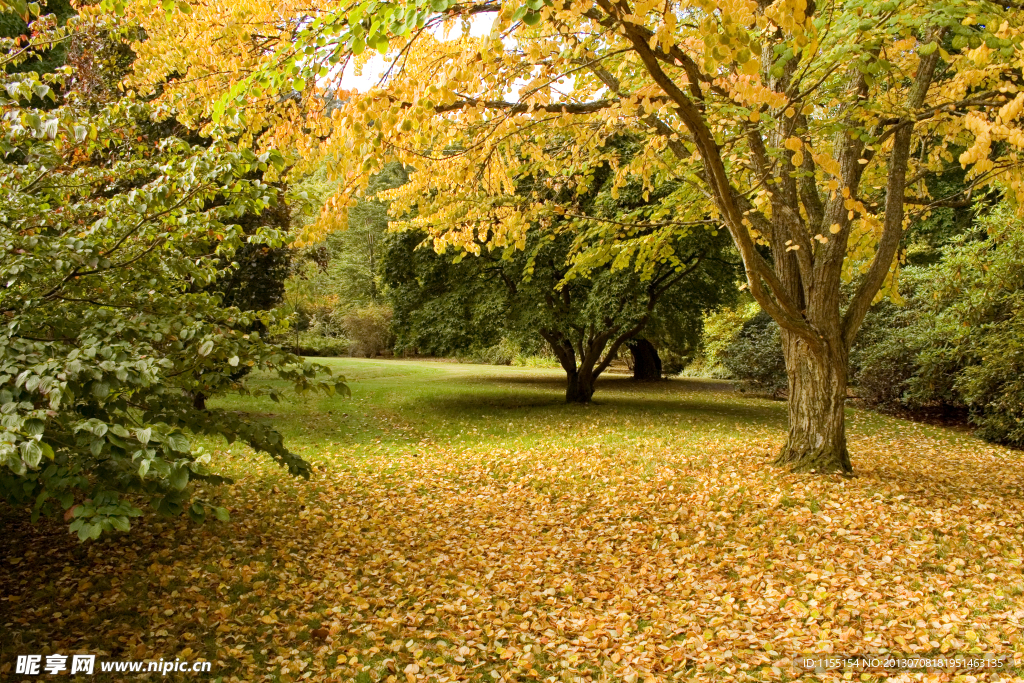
{"x":206,"y":347}
{"x":178,"y":478}
{"x":197,"y":513}
{"x":380,"y":43}
{"x":221,"y":514}
{"x":31,"y":453}
{"x":178,"y":442}
{"x":33,"y":426}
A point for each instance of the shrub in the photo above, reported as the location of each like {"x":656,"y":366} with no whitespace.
{"x":537,"y":360}
{"x":958,"y":342}
{"x":672,"y":363}
{"x":369,"y":329}
{"x":883,"y":360}
{"x":755,"y":357}
{"x":720,"y":330}
{"x":977,"y":340}
{"x":311,"y":344}
{"x":504,"y":352}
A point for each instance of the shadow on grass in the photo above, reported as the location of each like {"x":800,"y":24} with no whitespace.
{"x":676,"y":385}
{"x":477,"y":405}
{"x":678,"y":397}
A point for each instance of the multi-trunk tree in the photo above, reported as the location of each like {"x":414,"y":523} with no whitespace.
{"x":808,"y":129}
{"x":587,"y":312}
{"x":444,"y":303}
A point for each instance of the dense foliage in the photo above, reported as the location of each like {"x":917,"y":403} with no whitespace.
{"x":445,"y":304}
{"x":959,"y":341}
{"x":335,"y":287}
{"x":755,"y":357}
{"x":112,"y":236}
{"x":813,"y":132}
{"x":952,"y":346}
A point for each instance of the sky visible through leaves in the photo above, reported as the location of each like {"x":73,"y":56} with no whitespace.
{"x":462,"y":524}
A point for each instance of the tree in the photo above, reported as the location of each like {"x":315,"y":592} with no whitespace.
{"x":806,"y":128}
{"x":14,"y":24}
{"x":646,"y":361}
{"x":348,"y":259}
{"x":111,"y":238}
{"x":448,"y":303}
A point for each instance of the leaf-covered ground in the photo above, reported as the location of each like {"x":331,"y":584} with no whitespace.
{"x":464,"y":525}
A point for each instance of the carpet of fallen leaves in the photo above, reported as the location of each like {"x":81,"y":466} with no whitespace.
{"x":691,"y":560}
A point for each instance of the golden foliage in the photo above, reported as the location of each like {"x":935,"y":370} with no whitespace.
{"x":475,"y":115}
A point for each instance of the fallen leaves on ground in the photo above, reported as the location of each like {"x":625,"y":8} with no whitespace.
{"x":648,"y":561}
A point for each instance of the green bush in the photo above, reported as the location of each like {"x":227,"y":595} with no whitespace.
{"x":672,"y":363}
{"x":312,"y":344}
{"x":504,"y":352}
{"x":369,"y":328}
{"x":720,"y":330}
{"x":755,"y":357}
{"x":510,"y":351}
{"x":537,"y":360}
{"x":883,"y":360}
{"x":114,"y":330}
{"x":958,"y":342}
{"x":977,"y":292}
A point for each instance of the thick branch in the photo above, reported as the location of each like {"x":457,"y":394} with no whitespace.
{"x":892,"y":226}
{"x":526,"y":107}
{"x":780,"y":306}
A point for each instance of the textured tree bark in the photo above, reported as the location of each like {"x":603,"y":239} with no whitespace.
{"x":579,"y":387}
{"x":817,"y":400}
{"x":579,"y":378}
{"x":646,"y":362}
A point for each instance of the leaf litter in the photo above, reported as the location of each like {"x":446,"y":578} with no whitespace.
{"x":689,"y":558}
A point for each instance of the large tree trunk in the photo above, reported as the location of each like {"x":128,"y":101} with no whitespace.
{"x":579,"y":387}
{"x":646,"y":362}
{"x":817,"y":399}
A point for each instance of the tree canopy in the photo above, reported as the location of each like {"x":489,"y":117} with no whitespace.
{"x":444,"y":303}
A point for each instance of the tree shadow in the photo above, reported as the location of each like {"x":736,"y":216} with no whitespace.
{"x":676,"y":397}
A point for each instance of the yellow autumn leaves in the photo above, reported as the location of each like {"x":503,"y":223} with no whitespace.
{"x":652,"y":548}
{"x":472,"y":111}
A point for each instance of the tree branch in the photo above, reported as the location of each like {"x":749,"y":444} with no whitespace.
{"x":892,"y":226}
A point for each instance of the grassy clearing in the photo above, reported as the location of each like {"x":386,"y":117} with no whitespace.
{"x":464,"y":524}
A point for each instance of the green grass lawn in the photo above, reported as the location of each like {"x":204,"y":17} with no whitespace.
{"x":464,"y":524}
{"x":397,"y":404}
